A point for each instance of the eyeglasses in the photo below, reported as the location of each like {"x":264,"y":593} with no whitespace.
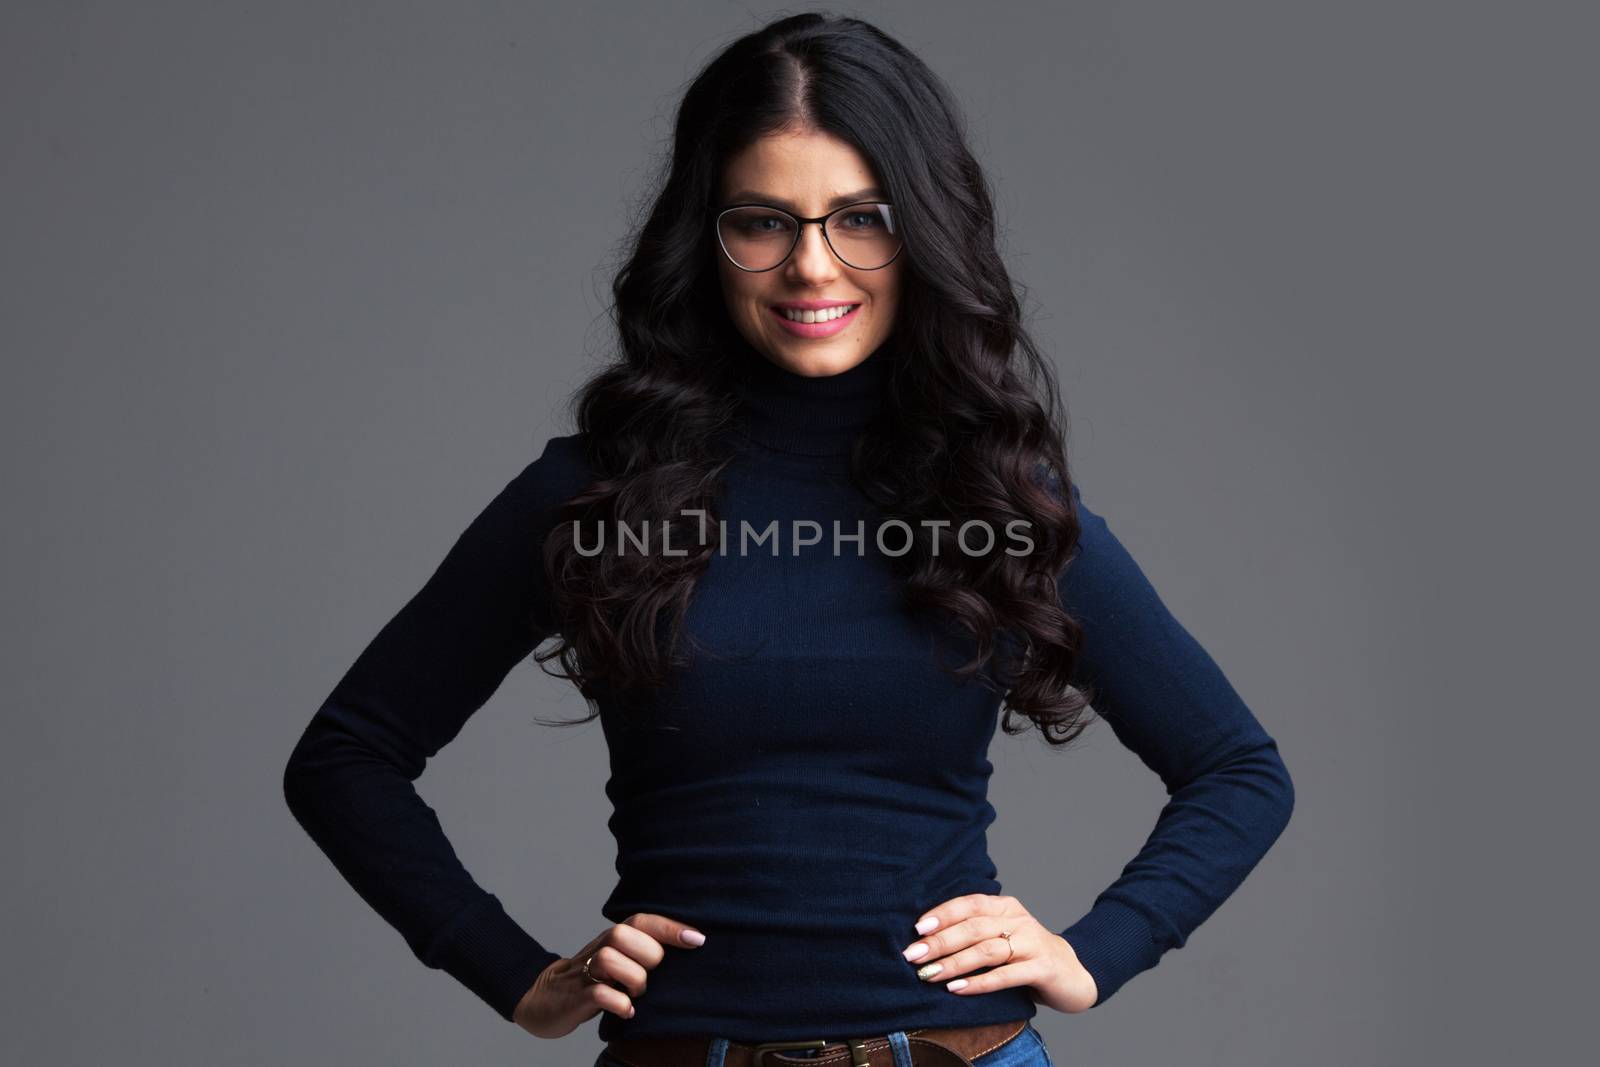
{"x":758,"y":238}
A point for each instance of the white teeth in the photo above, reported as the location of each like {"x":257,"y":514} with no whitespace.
{"x":825,"y":315}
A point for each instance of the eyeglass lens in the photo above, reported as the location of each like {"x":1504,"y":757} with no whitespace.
{"x":759,"y":238}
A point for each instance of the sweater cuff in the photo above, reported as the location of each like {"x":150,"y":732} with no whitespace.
{"x":485,"y":950}
{"x":1114,"y":942}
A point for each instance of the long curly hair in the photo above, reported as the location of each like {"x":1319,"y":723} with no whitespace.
{"x":970,"y":429}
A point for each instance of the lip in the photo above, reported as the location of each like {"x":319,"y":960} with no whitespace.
{"x":815,"y":329}
{"x":813,"y":305}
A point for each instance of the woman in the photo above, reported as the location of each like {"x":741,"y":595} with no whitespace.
{"x":798,"y":558}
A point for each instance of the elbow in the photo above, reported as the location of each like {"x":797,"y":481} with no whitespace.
{"x":328,"y":761}
{"x":1270,"y":779}
{"x":1261,"y":774}
{"x":293,"y":782}
{"x":1282,"y":791}
{"x":299,"y":779}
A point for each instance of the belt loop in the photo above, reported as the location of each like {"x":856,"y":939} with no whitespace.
{"x":902,"y":1049}
{"x":716,"y":1052}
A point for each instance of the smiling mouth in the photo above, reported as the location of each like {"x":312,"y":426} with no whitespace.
{"x":817,"y":325}
{"x":821,"y":315}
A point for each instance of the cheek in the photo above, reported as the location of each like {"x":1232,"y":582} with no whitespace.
{"x":742,"y":294}
{"x":754,"y":310}
{"x":888,"y":301}
{"x":742,"y":300}
{"x":886,"y":290}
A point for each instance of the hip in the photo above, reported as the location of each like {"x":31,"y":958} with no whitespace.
{"x":1023,"y":1048}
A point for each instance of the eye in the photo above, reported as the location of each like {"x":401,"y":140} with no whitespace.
{"x":759,"y":224}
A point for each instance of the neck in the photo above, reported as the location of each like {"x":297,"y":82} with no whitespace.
{"x":811,"y":416}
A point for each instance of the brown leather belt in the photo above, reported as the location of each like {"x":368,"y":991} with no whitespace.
{"x":930,"y":1047}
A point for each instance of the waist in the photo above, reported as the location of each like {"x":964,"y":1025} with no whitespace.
{"x":797,"y":950}
{"x":754,"y":984}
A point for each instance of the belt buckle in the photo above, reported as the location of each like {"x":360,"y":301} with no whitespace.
{"x":858,"y":1050}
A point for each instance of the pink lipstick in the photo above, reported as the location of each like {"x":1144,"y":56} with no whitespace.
{"x":814,"y":329}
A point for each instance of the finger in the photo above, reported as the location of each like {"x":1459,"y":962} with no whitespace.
{"x":634,"y":943}
{"x":956,"y":909}
{"x":980,"y":946}
{"x":640,"y":937}
{"x":958,"y":933}
{"x":669,"y":932}
{"x":610,"y":998}
{"x":611,"y":965}
{"x":1021,"y":973}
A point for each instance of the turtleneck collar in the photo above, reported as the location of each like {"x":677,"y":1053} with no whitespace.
{"x":811,"y":416}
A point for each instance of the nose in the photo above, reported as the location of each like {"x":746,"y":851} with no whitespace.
{"x":812,"y":262}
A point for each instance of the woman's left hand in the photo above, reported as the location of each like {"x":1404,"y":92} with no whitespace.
{"x":964,"y":934}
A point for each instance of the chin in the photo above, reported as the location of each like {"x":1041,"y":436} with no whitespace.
{"x":822,"y":360}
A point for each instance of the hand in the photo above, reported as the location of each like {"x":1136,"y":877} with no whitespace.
{"x":562,"y":999}
{"x":963,"y":934}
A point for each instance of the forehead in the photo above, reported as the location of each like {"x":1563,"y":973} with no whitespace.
{"x":810,"y":169}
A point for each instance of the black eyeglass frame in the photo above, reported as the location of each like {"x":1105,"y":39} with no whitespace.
{"x":800,"y":223}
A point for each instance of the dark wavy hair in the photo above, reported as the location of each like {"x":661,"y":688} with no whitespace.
{"x":970,"y":430}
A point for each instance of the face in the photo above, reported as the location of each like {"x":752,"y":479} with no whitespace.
{"x":804,"y":173}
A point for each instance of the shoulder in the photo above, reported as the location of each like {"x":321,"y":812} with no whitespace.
{"x":563,"y":455}
{"x":1106,"y":589}
{"x":558,"y":472}
{"x":525,"y":506}
{"x":1100,"y":565}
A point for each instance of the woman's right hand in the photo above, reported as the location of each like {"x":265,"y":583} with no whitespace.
{"x":562,"y":998}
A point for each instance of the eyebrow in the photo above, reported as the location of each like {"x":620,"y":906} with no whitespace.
{"x":746,"y":196}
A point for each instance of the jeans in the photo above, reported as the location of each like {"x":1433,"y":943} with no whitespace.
{"x":1025,"y":1050}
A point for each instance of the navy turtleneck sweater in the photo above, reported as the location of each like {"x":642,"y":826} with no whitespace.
{"x":811,"y":784}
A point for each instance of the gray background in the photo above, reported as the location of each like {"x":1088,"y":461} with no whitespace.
{"x":291,"y":290}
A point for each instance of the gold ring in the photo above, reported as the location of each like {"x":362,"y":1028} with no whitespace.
{"x":586,"y":972}
{"x":1010,"y":949}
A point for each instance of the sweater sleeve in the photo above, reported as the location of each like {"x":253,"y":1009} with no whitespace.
{"x":348,"y":781}
{"x":1230,"y":795}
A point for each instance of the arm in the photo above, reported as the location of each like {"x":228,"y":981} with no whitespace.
{"x":1168,"y":702}
{"x":348,"y":781}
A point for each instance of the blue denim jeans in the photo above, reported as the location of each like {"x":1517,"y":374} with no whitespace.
{"x":1025,"y":1050}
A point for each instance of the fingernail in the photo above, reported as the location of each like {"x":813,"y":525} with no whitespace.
{"x":927,"y":924}
{"x":916,"y":952}
{"x":928,"y":970}
{"x":693,"y":937}
{"x":957,"y":984}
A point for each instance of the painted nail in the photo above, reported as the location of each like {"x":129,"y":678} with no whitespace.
{"x":928,"y":970}
{"x":959,"y":983}
{"x":916,"y":952}
{"x":927,"y":924}
{"x":693,"y":937}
